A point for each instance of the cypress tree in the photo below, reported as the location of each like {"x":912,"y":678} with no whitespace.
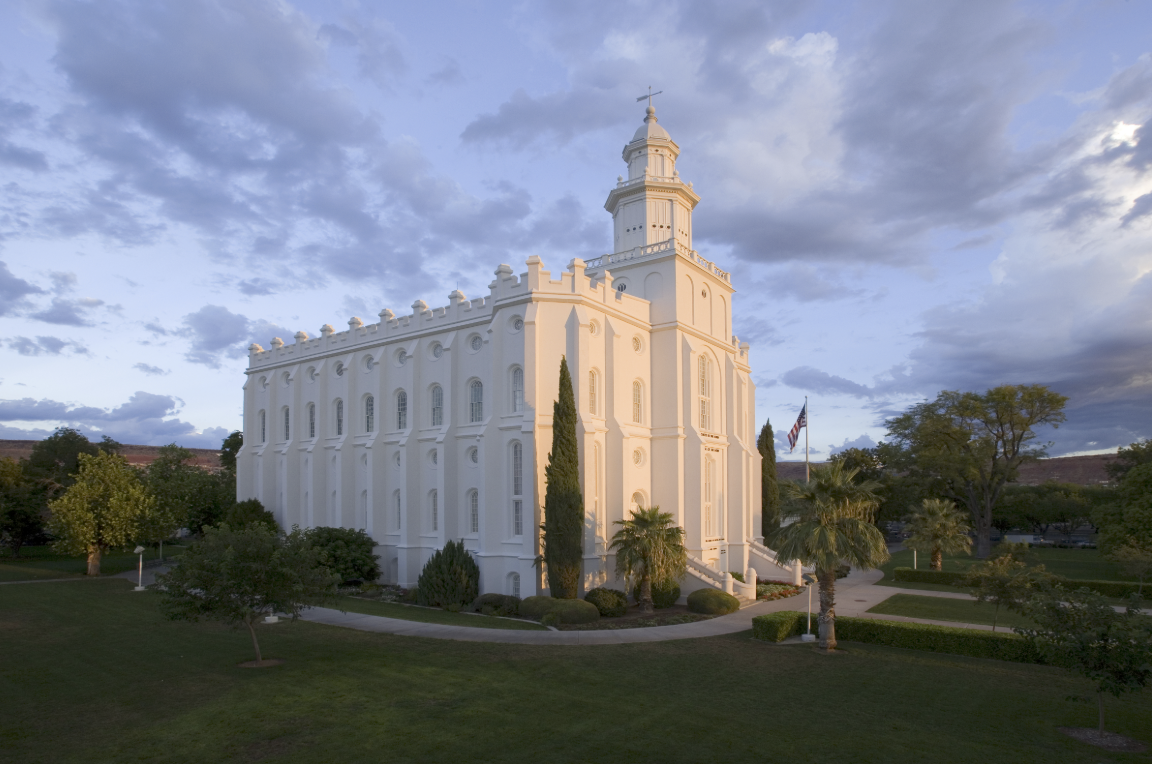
{"x":563,"y":502}
{"x":769,"y":485}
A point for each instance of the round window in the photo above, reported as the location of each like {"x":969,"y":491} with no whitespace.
{"x":594,"y":328}
{"x":434,"y":457}
{"x":369,"y":363}
{"x":476,"y":343}
{"x":397,"y":459}
{"x":339,"y":369}
{"x":402,"y":357}
{"x":264,"y":382}
{"x":311,"y":373}
{"x":637,"y":344}
{"x":638,"y":457}
{"x":437,"y":350}
{"x":474,"y":455}
{"x":517,"y":324}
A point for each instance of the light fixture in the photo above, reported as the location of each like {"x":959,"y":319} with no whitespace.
{"x":139,"y":571}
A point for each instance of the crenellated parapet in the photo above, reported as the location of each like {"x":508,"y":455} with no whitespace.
{"x":505,"y":290}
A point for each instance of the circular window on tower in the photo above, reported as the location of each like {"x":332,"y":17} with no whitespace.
{"x":369,"y":363}
{"x":311,"y":374}
{"x":474,"y":456}
{"x":339,"y":369}
{"x":516,"y":324}
{"x":594,"y":328}
{"x":396,"y":459}
{"x":401,"y":357}
{"x":475,"y":342}
{"x":637,"y":344}
{"x":638,"y":457}
{"x":437,"y":350}
{"x":433,"y":457}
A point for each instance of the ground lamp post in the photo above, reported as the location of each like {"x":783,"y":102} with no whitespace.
{"x":140,"y":571}
{"x":809,"y":579}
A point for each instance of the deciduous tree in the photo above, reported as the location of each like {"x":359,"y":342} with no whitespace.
{"x":968,"y":446}
{"x":833,"y":524}
{"x":563,"y":536}
{"x":239,"y":576}
{"x":104,"y":508}
{"x":1006,"y":581}
{"x":22,"y":506}
{"x":1128,"y":458}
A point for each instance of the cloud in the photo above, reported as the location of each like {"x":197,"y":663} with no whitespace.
{"x":823,"y":383}
{"x":448,"y":75}
{"x":154,"y":371}
{"x":215,"y":331}
{"x":862,"y":441}
{"x":14,"y":291}
{"x":379,"y":58}
{"x":14,"y":116}
{"x":67,"y":312}
{"x":45,"y":346}
{"x":145,"y":419}
{"x":256,"y":286}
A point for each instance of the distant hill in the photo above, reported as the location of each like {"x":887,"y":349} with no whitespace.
{"x":1083,"y":470}
{"x":136,"y":455}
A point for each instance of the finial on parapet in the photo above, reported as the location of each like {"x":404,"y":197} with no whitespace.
{"x":504,"y":270}
{"x":419,"y":307}
{"x":355,"y":323}
{"x":456,"y":296}
{"x":301,"y":336}
{"x":327,"y":330}
{"x":277,"y":342}
{"x":254,"y":348}
{"x":386,"y":315}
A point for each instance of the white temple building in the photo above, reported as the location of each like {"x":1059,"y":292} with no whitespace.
{"x":437,"y":425}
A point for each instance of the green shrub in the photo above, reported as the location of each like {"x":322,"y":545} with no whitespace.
{"x":776,"y":627}
{"x":550,"y":619}
{"x":1119,"y":589}
{"x":611,"y":603}
{"x":738,"y":576}
{"x":664,"y":594}
{"x":497,"y":604}
{"x":409,"y":596}
{"x":346,"y":552}
{"x":776,"y":591}
{"x":449,"y":577}
{"x":536,"y":606}
{"x":712,"y":602}
{"x":575,"y":611}
{"x":938,"y":639}
{"x":249,"y":512}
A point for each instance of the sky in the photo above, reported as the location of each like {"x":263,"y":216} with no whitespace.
{"x":911,"y":197}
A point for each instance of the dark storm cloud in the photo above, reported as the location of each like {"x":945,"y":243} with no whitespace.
{"x":14,"y":291}
{"x":146,"y":418}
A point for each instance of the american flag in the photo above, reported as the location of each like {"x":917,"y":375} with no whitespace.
{"x":801,"y":423}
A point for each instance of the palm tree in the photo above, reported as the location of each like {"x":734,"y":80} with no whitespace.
{"x":938,"y":528}
{"x":650,"y":547}
{"x":831,"y":524}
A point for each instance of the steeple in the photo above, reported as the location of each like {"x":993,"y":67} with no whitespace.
{"x":653,"y":204}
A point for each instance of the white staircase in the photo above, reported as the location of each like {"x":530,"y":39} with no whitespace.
{"x":709,"y":577}
{"x":767,"y":565}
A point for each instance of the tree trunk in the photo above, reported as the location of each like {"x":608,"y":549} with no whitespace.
{"x":1100,"y":705}
{"x":94,"y":553}
{"x":827,"y":609}
{"x":255,"y":644}
{"x":937,"y":559}
{"x":645,"y":603}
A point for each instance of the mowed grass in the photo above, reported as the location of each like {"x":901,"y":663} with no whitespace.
{"x":91,"y":672}
{"x":1076,"y":564}
{"x":430,"y":615}
{"x":41,"y":562}
{"x":945,"y":609}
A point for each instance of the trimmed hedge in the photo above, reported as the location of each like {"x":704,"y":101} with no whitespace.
{"x":610,"y":602}
{"x":663,"y":595}
{"x":776,"y":627}
{"x":497,"y":604}
{"x":567,"y":611}
{"x":712,"y":602}
{"x":536,"y":606}
{"x":952,"y":578}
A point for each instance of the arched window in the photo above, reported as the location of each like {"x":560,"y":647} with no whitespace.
{"x":474,"y":511}
{"x":476,"y":401}
{"x":705,"y":393}
{"x":592,"y":392}
{"x":517,"y":390}
{"x":514,"y":584}
{"x":287,"y":422}
{"x":434,"y":500}
{"x":263,"y":429}
{"x":517,"y":489}
{"x":339,"y":417}
{"x":437,"y":406}
{"x":369,"y":414}
{"x":401,"y":410}
{"x":637,"y":402}
{"x":311,"y":420}
{"x":709,"y":492}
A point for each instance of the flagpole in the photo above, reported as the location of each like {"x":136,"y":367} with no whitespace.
{"x":807,"y":419}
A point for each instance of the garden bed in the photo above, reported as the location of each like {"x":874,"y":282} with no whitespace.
{"x":634,"y":619}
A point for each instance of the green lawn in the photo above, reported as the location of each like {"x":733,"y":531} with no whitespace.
{"x":429,"y":615}
{"x":944,"y":609}
{"x":1077,"y":564}
{"x":91,"y":672}
{"x":37,"y":562}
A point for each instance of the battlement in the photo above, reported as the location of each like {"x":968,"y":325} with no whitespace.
{"x":505,"y":290}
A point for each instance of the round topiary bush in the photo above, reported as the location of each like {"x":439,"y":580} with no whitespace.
{"x":497,"y":604}
{"x":346,"y":552}
{"x":575,"y":611}
{"x":611,"y":603}
{"x":535,"y":607}
{"x":664,"y":594}
{"x":450,"y":577}
{"x":712,"y":602}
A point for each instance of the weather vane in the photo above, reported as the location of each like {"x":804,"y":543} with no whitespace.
{"x":649,"y":96}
